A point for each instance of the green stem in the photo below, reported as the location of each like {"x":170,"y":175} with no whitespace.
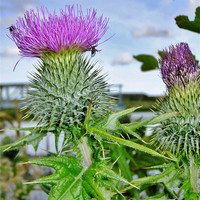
{"x":86,"y":151}
{"x":194,"y":172}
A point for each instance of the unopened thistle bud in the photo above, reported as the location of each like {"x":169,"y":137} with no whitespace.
{"x":178,"y":65}
{"x":180,"y":134}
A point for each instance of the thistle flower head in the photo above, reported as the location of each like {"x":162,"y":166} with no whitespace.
{"x":178,"y":65}
{"x":39,"y":31}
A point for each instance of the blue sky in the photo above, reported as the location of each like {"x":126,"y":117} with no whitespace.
{"x":140,"y":26}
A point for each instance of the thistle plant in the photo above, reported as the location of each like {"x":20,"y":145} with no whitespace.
{"x":181,"y":133}
{"x":63,"y":84}
{"x":69,"y":96}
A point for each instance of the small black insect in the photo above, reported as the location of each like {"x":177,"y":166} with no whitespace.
{"x":11,"y":28}
{"x":94,"y":50}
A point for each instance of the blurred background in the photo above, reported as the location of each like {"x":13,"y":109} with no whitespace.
{"x":136,"y":27}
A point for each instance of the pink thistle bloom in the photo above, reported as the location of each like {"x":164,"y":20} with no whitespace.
{"x":39,"y":32}
{"x":178,"y":65}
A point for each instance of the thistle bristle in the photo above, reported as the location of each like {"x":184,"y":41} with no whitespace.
{"x":62,"y":88}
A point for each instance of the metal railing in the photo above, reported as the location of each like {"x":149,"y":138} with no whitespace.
{"x":10,"y":92}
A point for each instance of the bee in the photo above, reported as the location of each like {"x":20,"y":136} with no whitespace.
{"x":94,"y":50}
{"x":11,"y":28}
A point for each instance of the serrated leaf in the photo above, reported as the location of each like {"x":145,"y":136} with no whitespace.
{"x":72,"y":181}
{"x":148,"y":62}
{"x":128,"y":143}
{"x":153,"y":120}
{"x":159,"y":166}
{"x":112,"y":122}
{"x":129,"y":131}
{"x":33,"y":138}
{"x":164,"y":178}
{"x":183,"y":22}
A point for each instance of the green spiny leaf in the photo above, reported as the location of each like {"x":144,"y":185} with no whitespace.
{"x":33,"y":138}
{"x":128,"y":130}
{"x":128,"y":143}
{"x":72,"y":181}
{"x":112,"y":122}
{"x":164,"y":177}
{"x":153,"y":120}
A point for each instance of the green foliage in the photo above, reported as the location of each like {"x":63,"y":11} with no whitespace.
{"x":188,"y":191}
{"x":183,"y":22}
{"x":148,"y":62}
{"x":72,"y":181}
{"x":112,"y":121}
{"x":170,"y":178}
{"x":161,"y":196}
{"x":34,"y":137}
{"x":112,"y":124}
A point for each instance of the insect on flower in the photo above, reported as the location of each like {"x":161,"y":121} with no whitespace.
{"x":73,"y":29}
{"x":11,"y":28}
{"x":94,"y":50}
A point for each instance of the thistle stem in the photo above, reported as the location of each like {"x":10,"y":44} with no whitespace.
{"x":194,"y":172}
{"x":86,"y":151}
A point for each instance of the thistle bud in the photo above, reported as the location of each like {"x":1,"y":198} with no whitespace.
{"x":62,"y":89}
{"x":180,"y":134}
{"x":178,"y":65}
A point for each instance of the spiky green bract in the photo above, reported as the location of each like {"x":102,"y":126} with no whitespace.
{"x":62,"y":89}
{"x":72,"y":181}
{"x":181,"y":133}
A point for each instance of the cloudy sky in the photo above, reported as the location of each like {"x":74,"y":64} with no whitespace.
{"x":139,"y":27}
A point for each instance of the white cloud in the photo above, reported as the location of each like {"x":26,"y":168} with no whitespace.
{"x":10,"y":51}
{"x":151,"y":31}
{"x":123,"y":59}
{"x":193,"y":4}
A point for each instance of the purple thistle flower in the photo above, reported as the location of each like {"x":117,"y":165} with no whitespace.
{"x":178,"y":65}
{"x":39,"y":32}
